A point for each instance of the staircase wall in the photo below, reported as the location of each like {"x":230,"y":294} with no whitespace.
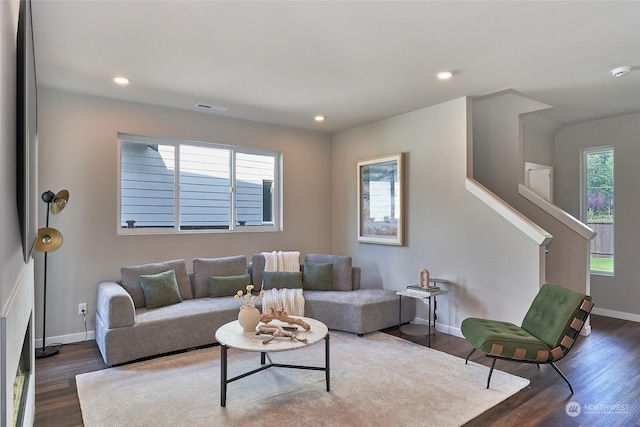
{"x":499,"y":165}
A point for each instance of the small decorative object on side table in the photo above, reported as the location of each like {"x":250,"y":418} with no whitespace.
{"x":421,"y":292}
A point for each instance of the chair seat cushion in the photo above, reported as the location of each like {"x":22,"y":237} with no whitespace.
{"x":504,"y":339}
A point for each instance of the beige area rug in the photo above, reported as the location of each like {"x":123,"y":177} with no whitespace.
{"x":376,"y":380}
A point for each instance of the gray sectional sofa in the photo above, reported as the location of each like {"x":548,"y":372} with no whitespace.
{"x":127,"y":330}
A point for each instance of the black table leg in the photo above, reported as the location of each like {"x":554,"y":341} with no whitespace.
{"x":326,"y":360}
{"x":223,"y":375}
{"x":400,"y":316}
{"x":429,"y":321}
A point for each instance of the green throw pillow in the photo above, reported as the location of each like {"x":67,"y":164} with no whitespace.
{"x":281,"y":280}
{"x":317,"y":277}
{"x":226,"y":286}
{"x":160,"y":289}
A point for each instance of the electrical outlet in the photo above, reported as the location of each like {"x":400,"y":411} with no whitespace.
{"x":82,"y":308}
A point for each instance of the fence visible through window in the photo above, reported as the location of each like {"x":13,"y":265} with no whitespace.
{"x":598,"y":208}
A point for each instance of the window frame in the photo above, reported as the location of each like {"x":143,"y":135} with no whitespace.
{"x":583,"y":200}
{"x":234,"y":227}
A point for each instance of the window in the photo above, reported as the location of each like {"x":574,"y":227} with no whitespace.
{"x":598,"y":206}
{"x":171,"y":186}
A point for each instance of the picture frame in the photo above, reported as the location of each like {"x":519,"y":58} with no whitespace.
{"x":381,"y":200}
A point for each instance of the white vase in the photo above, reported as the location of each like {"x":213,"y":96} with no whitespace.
{"x":249,"y":317}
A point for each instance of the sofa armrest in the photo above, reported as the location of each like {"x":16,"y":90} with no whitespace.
{"x":115,"y":305}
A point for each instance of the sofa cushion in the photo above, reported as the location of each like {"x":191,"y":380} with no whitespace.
{"x":281,"y":280}
{"x":257,"y":267}
{"x":317,"y":276}
{"x":342,"y":265}
{"x":225,"y":286}
{"x":204,"y":268}
{"x":130,"y":278}
{"x":507,"y":339}
{"x":160,"y":289}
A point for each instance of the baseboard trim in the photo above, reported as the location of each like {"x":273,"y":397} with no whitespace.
{"x":616,"y":314}
{"x":67,"y":339}
{"x":440,"y":327}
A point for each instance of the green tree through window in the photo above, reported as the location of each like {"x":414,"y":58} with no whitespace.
{"x":599,"y":209}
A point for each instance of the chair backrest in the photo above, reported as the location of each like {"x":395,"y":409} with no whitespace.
{"x":556,"y":316}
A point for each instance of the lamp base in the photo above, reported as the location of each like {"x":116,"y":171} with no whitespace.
{"x":42,"y":353}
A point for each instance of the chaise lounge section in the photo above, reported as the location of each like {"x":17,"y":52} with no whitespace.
{"x":345,"y":306}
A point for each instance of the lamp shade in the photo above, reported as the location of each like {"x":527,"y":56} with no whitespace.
{"x":49,"y":239}
{"x":59,"y":201}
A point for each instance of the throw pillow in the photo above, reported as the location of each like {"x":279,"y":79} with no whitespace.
{"x":226,"y":286}
{"x":203,"y":268}
{"x":281,"y":280}
{"x":317,"y":276}
{"x":160,"y":289}
{"x":130,"y":278}
{"x":342,"y":270}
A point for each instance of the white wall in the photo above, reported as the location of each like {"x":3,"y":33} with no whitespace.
{"x":78,"y":151}
{"x":493,"y":267}
{"x":16,"y":277}
{"x":617,"y":295}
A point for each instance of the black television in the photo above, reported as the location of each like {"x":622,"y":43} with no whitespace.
{"x":26,"y":131}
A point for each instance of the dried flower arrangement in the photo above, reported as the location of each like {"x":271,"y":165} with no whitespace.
{"x":248,"y":299}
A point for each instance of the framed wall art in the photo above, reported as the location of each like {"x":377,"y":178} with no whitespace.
{"x":381,"y":200}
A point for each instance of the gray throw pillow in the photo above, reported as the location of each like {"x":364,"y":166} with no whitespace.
{"x":317,"y":276}
{"x":203,"y":268}
{"x":130,"y":278}
{"x":342,"y":270}
{"x":160,"y":289}
{"x":281,"y":280}
{"x":226,"y":286}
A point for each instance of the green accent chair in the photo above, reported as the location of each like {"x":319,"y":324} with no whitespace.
{"x":548,"y":331}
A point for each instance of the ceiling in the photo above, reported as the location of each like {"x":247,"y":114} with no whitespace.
{"x":354,"y":62}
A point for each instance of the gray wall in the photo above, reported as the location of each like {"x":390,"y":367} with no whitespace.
{"x":499,"y":165}
{"x":16,"y":277}
{"x":78,"y":151}
{"x":493,"y":267}
{"x":616,"y":295}
{"x":538,"y":139}
{"x":10,"y":241}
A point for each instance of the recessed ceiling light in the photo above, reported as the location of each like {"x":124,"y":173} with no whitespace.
{"x":319,"y":118}
{"x":444,"y":75}
{"x":121,"y":80}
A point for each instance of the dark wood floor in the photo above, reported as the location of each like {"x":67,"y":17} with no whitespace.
{"x":604,"y":369}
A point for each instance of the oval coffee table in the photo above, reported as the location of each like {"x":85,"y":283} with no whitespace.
{"x":231,"y":335}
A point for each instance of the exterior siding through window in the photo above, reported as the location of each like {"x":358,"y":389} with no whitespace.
{"x":214,"y":185}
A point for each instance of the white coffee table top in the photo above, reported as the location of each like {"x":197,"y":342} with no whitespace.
{"x":232,"y":335}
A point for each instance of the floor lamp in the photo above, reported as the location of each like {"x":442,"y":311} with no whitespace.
{"x":49,"y":239}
